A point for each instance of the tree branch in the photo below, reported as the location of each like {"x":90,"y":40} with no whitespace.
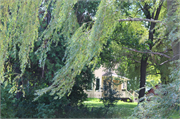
{"x":169,"y":59}
{"x":137,"y":61}
{"x":166,"y":61}
{"x":140,"y":19}
{"x":149,"y":52}
{"x":158,"y":10}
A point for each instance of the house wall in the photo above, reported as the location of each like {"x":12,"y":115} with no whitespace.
{"x":94,"y":94}
{"x":98,"y":93}
{"x":98,"y":74}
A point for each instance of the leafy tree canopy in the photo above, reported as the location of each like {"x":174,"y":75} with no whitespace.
{"x":19,"y":25}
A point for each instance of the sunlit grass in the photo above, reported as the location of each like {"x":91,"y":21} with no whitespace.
{"x":120,"y":110}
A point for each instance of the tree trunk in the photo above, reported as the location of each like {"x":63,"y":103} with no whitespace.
{"x":143,"y":76}
{"x":144,"y":59}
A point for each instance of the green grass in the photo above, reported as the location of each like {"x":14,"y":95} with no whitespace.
{"x":120,"y":110}
{"x":95,"y":102}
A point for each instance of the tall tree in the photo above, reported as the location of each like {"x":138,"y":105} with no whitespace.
{"x":144,"y":59}
{"x":131,"y":53}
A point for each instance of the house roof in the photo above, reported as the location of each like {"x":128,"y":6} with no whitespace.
{"x":114,"y":75}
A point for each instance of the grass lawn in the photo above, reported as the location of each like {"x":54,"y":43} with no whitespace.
{"x":121,"y":109}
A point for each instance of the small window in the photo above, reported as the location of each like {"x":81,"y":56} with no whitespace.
{"x":124,"y":85}
{"x":97,"y":84}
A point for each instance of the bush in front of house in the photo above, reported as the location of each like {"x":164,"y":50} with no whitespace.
{"x":110,"y":95}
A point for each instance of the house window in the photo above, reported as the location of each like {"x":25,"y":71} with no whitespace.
{"x":97,"y":84}
{"x":124,"y":85}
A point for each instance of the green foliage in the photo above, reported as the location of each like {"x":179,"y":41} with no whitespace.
{"x":135,"y":35}
{"x":153,"y":80}
{"x":85,"y":11}
{"x":7,"y":103}
{"x":44,"y":61}
{"x":38,"y":76}
{"x":28,"y":36}
{"x":84,"y":112}
{"x":45,"y":111}
{"x":19,"y":28}
{"x":47,"y":106}
{"x":62,"y":18}
{"x":162,"y":106}
{"x":125,"y":36}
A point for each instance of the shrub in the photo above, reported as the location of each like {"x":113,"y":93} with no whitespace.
{"x":110,"y":95}
{"x":7,"y":102}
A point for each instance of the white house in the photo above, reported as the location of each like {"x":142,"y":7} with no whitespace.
{"x":96,"y":90}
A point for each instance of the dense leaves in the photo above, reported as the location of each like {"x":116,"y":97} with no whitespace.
{"x":164,"y":105}
{"x":44,"y":61}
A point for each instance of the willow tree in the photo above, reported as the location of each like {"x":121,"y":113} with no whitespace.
{"x":19,"y":27}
